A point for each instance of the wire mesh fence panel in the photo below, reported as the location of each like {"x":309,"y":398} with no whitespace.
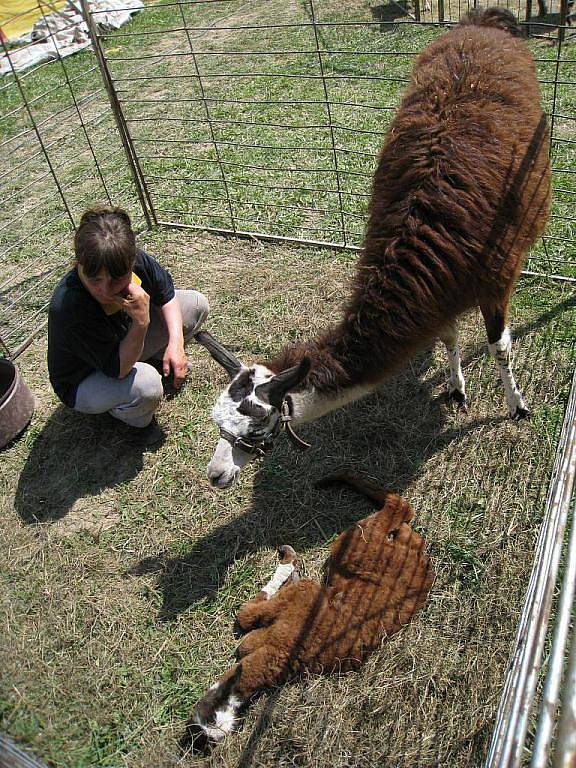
{"x":60,"y":154}
{"x":264,"y":119}
{"x":243,"y":117}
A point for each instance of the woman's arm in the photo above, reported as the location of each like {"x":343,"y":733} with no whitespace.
{"x":137,"y":305}
{"x":174,"y":355}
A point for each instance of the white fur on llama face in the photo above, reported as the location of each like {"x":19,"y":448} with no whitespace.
{"x":228,"y":461}
{"x":225,"y":718}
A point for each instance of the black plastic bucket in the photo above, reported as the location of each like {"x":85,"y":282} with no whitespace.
{"x":16,"y":402}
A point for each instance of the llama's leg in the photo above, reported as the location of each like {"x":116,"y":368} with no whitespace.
{"x":284,"y":574}
{"x":500,"y":346}
{"x":216,"y":715}
{"x":252,"y":641}
{"x":456,"y":384}
{"x":256,"y":611}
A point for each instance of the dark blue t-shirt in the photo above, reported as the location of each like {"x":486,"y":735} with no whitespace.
{"x":82,"y":338}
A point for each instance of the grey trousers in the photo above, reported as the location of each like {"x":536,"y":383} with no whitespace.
{"x":134,"y":398}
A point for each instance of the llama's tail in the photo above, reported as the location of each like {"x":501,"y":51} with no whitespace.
{"x":364,"y":486}
{"x":499,"y":18}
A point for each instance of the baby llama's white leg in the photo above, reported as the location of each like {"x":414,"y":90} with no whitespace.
{"x":285,"y":573}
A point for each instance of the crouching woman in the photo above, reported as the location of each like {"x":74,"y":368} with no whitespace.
{"x":117,"y":326}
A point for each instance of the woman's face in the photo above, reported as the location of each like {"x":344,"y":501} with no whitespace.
{"x":104,"y":288}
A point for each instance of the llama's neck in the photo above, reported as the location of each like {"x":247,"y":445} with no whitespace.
{"x":383,"y":325}
{"x":344,"y":368}
{"x":310,"y":404}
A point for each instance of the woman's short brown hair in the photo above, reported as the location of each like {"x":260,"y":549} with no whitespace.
{"x":105,"y":240}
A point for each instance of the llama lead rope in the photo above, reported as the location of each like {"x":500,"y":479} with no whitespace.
{"x":286,"y":416}
{"x":259,"y":446}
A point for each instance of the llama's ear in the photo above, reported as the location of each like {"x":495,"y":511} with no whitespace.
{"x":219,"y":353}
{"x":274,"y":390}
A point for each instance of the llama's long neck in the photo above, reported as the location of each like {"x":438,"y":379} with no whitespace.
{"x":310,"y":404}
{"x":396,"y":307}
{"x":346,"y":365}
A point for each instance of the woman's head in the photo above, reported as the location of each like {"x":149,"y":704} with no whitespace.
{"x":105,"y":241}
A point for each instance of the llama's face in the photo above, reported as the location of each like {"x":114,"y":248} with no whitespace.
{"x":216,"y":715}
{"x":248,"y":412}
{"x":243,"y":413}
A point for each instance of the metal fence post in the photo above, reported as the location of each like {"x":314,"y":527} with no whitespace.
{"x":37,"y":132}
{"x":131,"y":156}
{"x":208,"y":118}
{"x":331,"y":127}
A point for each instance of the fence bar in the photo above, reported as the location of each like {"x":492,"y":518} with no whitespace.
{"x":262,"y":236}
{"x":133,"y":162}
{"x":548,"y":707}
{"x":77,"y":108}
{"x":556,"y":278}
{"x":289,"y":126}
{"x":12,"y":756}
{"x":518,"y":694}
{"x":277,"y":75}
{"x":36,"y":131}
{"x":27,"y":341}
{"x":208,"y":117}
{"x":329,"y":114}
{"x":254,"y":102}
{"x":276,"y":188}
{"x":565,"y":754}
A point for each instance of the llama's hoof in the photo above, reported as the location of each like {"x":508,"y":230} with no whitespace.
{"x":287,"y":554}
{"x":458,"y":398}
{"x":520,"y":413}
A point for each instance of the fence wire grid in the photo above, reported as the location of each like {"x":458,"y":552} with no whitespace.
{"x":237,"y":116}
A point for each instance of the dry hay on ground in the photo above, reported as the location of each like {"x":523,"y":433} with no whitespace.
{"x":118,"y":606}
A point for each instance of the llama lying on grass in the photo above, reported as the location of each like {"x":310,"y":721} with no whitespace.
{"x":376,"y":578}
{"x":461,"y":191}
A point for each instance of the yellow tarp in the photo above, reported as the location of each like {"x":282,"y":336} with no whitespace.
{"x":18,"y":16}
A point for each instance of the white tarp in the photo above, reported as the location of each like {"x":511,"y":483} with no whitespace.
{"x":65,"y":31}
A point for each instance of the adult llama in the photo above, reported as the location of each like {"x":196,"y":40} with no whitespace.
{"x":460,"y":193}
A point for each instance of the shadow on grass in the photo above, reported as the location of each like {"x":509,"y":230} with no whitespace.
{"x":388,"y":436}
{"x":74,"y":456}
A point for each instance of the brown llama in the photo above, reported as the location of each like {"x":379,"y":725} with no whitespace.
{"x":461,"y":191}
{"x":377,"y":577}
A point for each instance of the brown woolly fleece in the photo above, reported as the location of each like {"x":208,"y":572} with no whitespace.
{"x":461,"y":191}
{"x":377,"y":576}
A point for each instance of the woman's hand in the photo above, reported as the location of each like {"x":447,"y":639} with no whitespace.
{"x":175,"y":359}
{"x":136,"y":303}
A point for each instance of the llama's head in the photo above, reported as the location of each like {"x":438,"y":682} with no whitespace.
{"x":216,"y":715}
{"x":249,"y":412}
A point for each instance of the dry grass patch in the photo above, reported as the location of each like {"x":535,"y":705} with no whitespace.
{"x":122,"y":570}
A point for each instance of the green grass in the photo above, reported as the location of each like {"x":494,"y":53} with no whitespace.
{"x":118,"y":604}
{"x":320,"y":188}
